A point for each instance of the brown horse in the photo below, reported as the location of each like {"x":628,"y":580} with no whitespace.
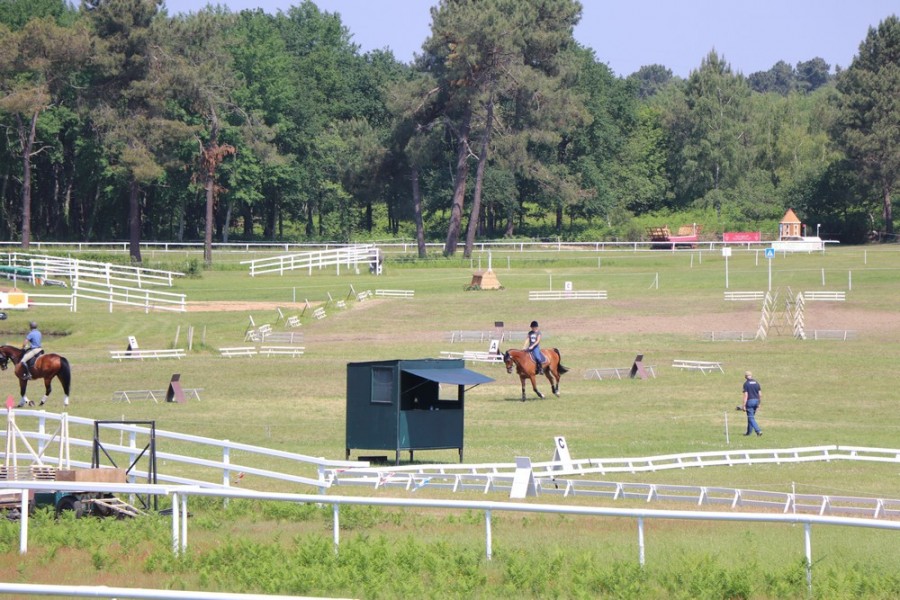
{"x":46,"y":367}
{"x":526,"y":367}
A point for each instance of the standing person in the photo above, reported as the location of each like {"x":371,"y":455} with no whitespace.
{"x":533,"y":345}
{"x":752,"y":398}
{"x":33,"y":346}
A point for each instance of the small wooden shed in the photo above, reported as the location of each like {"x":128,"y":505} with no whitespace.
{"x":408,"y":404}
{"x":485,"y":280}
{"x":790,"y":227}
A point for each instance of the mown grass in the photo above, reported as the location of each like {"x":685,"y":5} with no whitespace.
{"x":814,"y":393}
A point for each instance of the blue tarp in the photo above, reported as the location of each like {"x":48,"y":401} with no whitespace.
{"x":454,"y":376}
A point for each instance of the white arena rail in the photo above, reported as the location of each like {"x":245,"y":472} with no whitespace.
{"x":292,"y":351}
{"x":238,"y":351}
{"x":349,"y":257}
{"x":745,"y":296}
{"x":141,"y":354}
{"x":570,"y":295}
{"x":825,"y":296}
{"x":57,"y":267}
{"x":704,"y":366}
{"x":395,"y":293}
{"x":64,"y":300}
{"x":475,"y":356}
{"x":148,"y":299}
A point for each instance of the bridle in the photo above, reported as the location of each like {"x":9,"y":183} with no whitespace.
{"x":508,"y":360}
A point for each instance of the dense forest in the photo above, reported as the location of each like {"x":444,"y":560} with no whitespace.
{"x":124,"y":122}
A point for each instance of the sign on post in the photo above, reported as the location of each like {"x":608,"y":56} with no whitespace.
{"x":770,"y":254}
{"x":726,"y":252}
{"x":561,"y":454}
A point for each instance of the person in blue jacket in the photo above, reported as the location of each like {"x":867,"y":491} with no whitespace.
{"x":32,"y":345}
{"x":752,"y":398}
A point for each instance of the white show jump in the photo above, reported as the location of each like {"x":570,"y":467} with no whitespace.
{"x":704,"y":366}
{"x":568,"y":295}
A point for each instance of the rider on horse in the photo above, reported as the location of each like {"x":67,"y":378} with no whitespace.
{"x":33,"y":345}
{"x":533,"y":345}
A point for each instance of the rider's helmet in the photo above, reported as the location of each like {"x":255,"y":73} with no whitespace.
{"x":534,"y":324}
{"x":33,"y":325}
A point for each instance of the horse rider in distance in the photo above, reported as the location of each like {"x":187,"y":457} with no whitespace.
{"x":533,"y":345}
{"x":33,"y":346}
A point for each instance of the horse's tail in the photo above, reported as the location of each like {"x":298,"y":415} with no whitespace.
{"x":65,"y":374}
{"x":559,"y":367}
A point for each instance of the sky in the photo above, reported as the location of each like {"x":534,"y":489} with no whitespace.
{"x":751,"y":35}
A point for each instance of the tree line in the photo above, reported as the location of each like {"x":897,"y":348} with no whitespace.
{"x":122,"y":121}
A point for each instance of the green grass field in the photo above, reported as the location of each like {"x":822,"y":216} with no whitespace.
{"x":660,"y":304}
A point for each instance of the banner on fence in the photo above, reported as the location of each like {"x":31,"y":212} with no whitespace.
{"x":741,"y":236}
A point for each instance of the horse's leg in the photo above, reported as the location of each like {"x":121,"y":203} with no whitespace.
{"x":553,"y":379}
{"x":24,"y":401}
{"x":47,"y":389}
{"x":534,"y":386}
{"x":556,"y":377}
{"x":522,"y":379}
{"x":65,"y":393}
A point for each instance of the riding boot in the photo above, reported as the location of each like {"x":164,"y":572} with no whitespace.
{"x":26,"y":374}
{"x":540,"y":368}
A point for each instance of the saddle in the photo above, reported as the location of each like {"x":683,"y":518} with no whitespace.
{"x":33,"y":359}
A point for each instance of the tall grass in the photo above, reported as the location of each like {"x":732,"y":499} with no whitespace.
{"x":659,"y":304}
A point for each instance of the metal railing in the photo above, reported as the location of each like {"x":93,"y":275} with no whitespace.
{"x":179,"y":498}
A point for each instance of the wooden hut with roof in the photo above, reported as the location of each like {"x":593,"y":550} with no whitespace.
{"x":790,"y":227}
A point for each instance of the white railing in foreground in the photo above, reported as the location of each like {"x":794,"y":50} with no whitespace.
{"x":349,"y":257}
{"x":41,"y":430}
{"x":103,"y":591}
{"x":341,"y":472}
{"x":179,"y":497}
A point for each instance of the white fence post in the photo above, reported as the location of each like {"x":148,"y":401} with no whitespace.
{"x":640,"y":522}
{"x":489,"y":549}
{"x":808,"y":543}
{"x":176,"y":525}
{"x":23,"y":518}
{"x":336,"y":524}
{"x":184,"y":521}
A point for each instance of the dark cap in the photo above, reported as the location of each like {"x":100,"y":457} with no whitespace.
{"x":534,"y":324}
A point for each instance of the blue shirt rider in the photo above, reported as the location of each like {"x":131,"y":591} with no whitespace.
{"x":33,"y":346}
{"x":533,"y":345}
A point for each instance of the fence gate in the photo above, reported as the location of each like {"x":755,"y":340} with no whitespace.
{"x":136,"y":453}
